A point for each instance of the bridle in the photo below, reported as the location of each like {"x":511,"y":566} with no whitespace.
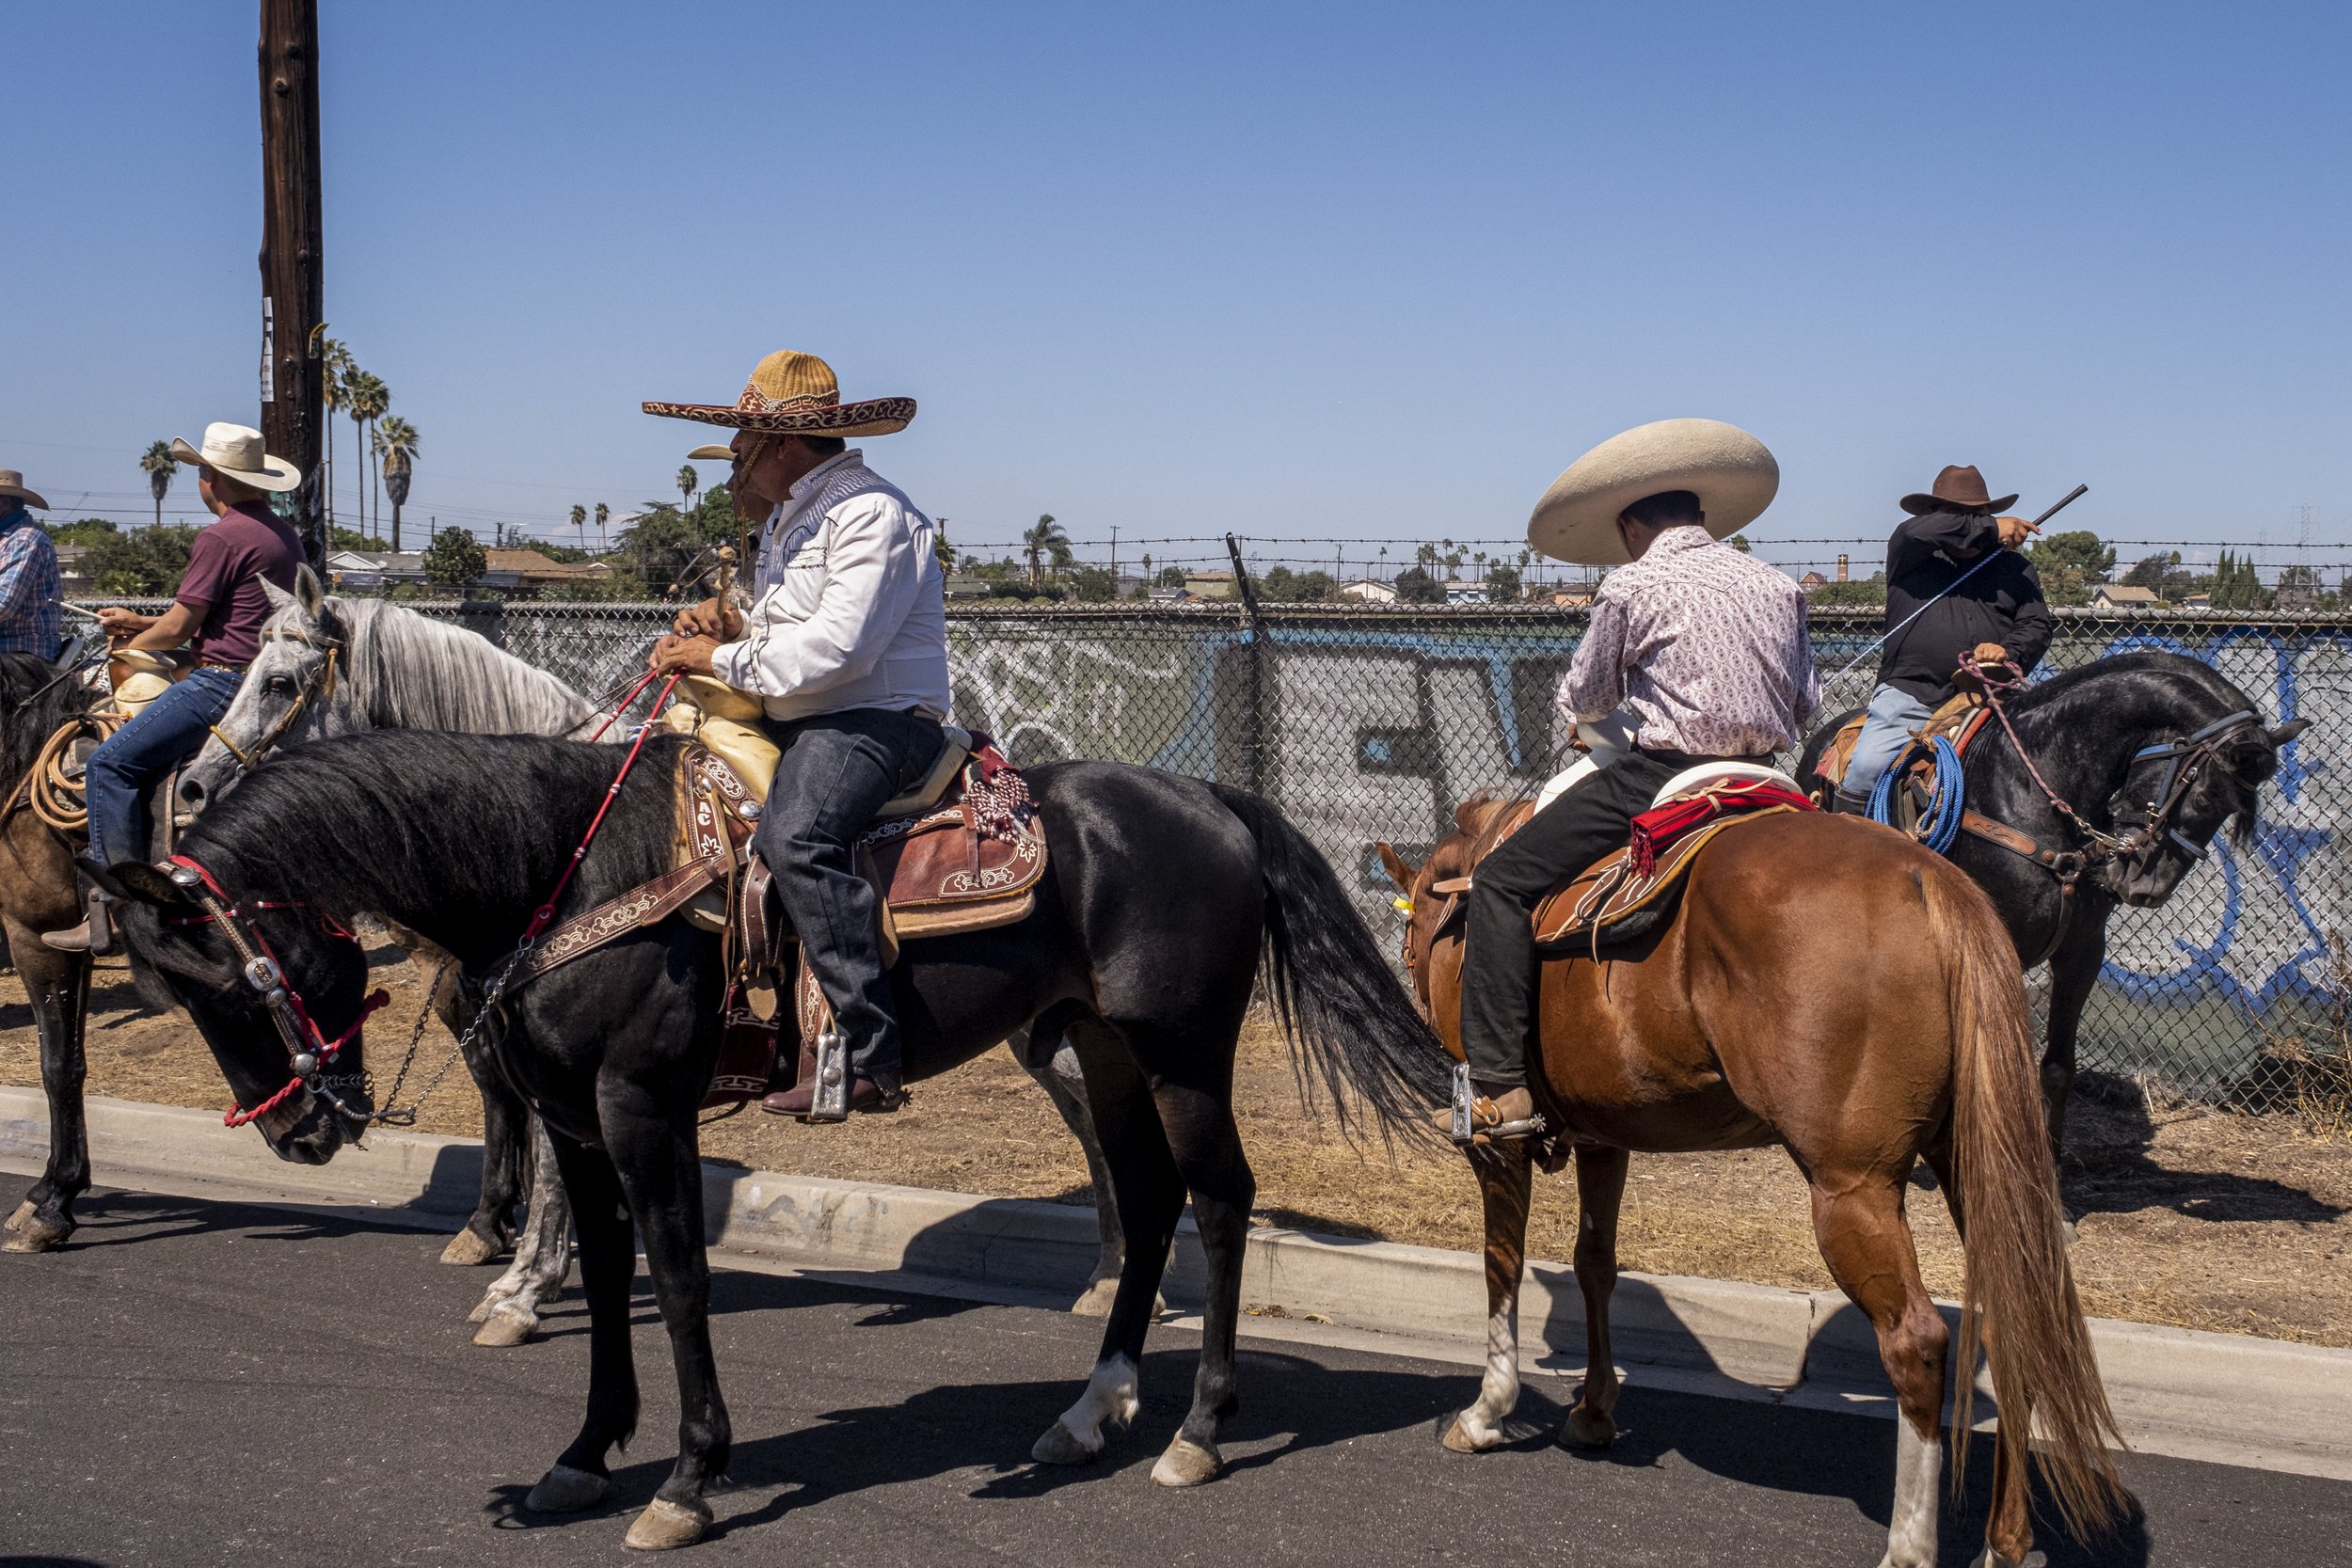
{"x":319,"y":687}
{"x":2185,"y":759}
{"x":308,"y":1049}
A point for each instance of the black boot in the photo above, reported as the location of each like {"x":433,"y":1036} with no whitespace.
{"x":95,"y":935}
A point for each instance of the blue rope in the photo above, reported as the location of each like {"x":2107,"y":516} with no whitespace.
{"x":1940,"y":824}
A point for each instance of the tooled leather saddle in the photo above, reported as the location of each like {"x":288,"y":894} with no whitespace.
{"x":962,"y":851}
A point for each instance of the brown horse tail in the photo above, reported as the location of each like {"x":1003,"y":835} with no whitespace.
{"x":2020,"y":1307}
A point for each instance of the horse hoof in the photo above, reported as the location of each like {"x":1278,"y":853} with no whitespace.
{"x":1060,"y":1446}
{"x":1096,"y":1300}
{"x":564,"y":1490}
{"x":1587,"y":1429}
{"x":16,"y":1221}
{"x":37,"y":1235}
{"x":1186,"y":1463}
{"x":467,"y":1248}
{"x":505,"y":1328}
{"x":665,"y":1524}
{"x":1464,"y":1438}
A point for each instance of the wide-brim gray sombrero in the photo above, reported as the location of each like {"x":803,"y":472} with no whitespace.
{"x":1731,"y":472}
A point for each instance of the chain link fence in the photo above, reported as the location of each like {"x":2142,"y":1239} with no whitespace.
{"x":1370,"y":724}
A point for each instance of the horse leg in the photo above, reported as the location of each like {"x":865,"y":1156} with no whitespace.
{"x":607,"y":1261}
{"x":1150,"y":1192}
{"x":662,"y":1172}
{"x":1207,"y":1145}
{"x":1049,"y":1059}
{"x":1867,"y":1243}
{"x":2074,"y":974}
{"x":1505,"y":1181}
{"x":2009,"y":1531}
{"x":509,"y":1312}
{"x":1599,"y":1194}
{"x":488,"y":1230}
{"x":57,"y":984}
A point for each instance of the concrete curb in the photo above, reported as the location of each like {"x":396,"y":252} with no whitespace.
{"x":2220,"y":1398}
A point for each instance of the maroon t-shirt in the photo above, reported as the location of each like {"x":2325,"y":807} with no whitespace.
{"x":251,"y":543}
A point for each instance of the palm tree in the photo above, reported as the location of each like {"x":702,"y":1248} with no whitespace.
{"x":334,"y":365}
{"x":944,"y":552}
{"x":397,"y":442}
{"x":604,"y":516}
{"x":365,"y":399}
{"x":1041,"y":541}
{"x":157,"y":461}
{"x":580,"y":521}
{"x":688,"y":483}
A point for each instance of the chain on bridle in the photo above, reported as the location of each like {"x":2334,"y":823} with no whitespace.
{"x":319,"y":687}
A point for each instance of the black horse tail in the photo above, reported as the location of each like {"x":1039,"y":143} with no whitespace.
{"x":1350,"y":1023}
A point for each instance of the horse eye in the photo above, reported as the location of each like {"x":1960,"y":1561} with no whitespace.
{"x":280,"y":687}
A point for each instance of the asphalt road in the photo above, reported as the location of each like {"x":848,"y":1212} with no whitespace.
{"x":207,"y":1383}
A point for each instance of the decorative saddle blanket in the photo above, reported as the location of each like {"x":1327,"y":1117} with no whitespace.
{"x":1625,"y":894}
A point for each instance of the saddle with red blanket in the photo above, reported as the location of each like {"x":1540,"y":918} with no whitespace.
{"x":1626,"y":894}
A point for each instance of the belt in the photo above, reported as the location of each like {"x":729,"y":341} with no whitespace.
{"x":221,"y":664}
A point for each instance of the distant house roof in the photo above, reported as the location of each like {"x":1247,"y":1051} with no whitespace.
{"x":530,"y":566}
{"x":1209,"y":585}
{"x":2124,"y":595}
{"x":1571,"y":598}
{"x":1368,"y":590}
{"x":965,"y":585}
{"x":1812,"y":581}
{"x":1458,"y":592}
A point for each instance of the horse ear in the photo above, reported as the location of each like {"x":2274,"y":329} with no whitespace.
{"x":2288,"y":731}
{"x":1470,"y":816}
{"x":308,"y":592}
{"x":1392,"y":862}
{"x":333,"y":617}
{"x":279,"y":597}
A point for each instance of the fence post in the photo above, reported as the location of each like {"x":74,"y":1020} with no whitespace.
{"x":1254,"y":729}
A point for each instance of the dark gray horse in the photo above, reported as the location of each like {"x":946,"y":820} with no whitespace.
{"x":2104,"y":736}
{"x":1160,"y":896}
{"x":394,"y":669}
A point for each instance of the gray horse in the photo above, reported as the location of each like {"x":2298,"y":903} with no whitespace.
{"x":334,"y":666}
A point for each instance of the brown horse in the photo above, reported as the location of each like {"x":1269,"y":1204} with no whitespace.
{"x":1827,"y":984}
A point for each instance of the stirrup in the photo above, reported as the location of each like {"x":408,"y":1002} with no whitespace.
{"x":1477,"y":1122}
{"x":830,"y":1101}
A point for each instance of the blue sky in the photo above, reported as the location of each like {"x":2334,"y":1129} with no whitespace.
{"x":1357,"y":271}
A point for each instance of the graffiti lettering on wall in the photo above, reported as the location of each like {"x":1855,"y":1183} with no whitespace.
{"x":1362,"y":734}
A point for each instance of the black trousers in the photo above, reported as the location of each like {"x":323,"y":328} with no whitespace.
{"x":836,"y":772}
{"x":1499,"y":979}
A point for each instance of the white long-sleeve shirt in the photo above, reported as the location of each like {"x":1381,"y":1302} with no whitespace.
{"x":848,"y":609}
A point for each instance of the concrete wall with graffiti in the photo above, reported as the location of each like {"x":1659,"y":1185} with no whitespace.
{"x":1371,"y":727}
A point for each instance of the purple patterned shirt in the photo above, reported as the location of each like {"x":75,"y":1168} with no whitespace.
{"x":1705,"y":646}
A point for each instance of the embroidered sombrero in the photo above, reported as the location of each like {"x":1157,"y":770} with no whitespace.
{"x":796,"y":394}
{"x":1729,"y":470}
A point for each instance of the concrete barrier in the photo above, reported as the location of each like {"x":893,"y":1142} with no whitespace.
{"x":2226,"y":1399}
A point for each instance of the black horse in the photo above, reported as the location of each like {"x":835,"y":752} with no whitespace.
{"x":1161,"y":894}
{"x":2102,"y":737}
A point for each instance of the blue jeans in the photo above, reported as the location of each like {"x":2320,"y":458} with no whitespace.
{"x":836,"y":771}
{"x":1894,"y":716}
{"x":124,"y":771}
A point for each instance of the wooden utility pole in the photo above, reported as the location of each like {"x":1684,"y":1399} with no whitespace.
{"x":294,"y":289}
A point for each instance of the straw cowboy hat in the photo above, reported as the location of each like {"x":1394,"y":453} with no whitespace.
{"x":795,"y":394}
{"x":12,"y":483}
{"x":235,"y":449}
{"x":1729,"y":470}
{"x":1955,"y":486}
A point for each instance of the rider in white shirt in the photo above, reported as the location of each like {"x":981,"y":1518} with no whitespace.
{"x":845,"y":645}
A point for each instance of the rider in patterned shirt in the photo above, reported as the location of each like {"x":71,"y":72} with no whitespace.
{"x":31,"y":592}
{"x":1704,"y":650}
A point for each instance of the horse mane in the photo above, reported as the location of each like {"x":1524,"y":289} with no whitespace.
{"x":2153,"y":661}
{"x":473,"y":827}
{"x":29,"y":716}
{"x":410,"y":672}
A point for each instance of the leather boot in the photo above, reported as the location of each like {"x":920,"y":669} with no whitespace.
{"x":95,"y":935}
